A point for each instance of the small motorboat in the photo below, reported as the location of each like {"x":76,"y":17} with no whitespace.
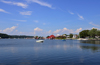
{"x":39,"y":41}
{"x":63,"y":39}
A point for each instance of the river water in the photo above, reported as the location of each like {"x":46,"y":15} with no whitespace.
{"x":50,"y":52}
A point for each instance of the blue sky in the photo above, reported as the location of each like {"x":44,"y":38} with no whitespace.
{"x":46,"y":17}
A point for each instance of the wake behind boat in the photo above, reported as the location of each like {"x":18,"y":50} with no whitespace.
{"x":39,"y":41}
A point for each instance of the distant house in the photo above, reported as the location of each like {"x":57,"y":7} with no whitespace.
{"x":75,"y":36}
{"x":97,"y":36}
{"x":64,"y":35}
{"x":57,"y":35}
{"x":51,"y":37}
{"x":67,"y":36}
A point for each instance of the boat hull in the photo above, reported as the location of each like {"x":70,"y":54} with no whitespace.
{"x":40,"y":41}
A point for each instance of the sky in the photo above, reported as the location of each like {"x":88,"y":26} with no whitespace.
{"x":47,"y":17}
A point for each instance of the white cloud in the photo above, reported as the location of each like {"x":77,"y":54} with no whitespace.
{"x":36,"y":21}
{"x":81,"y":17}
{"x":1,"y":10}
{"x":70,"y":12}
{"x":26,"y":13}
{"x":41,"y":3}
{"x":94,"y":24}
{"x":38,"y":29}
{"x":66,"y":31}
{"x":44,"y":23}
{"x":17,"y":24}
{"x":20,"y":20}
{"x":15,"y":3}
{"x":8,"y":30}
{"x":57,"y":31}
{"x":0,"y":30}
{"x":49,"y":32}
{"x":78,"y":30}
{"x":16,"y":30}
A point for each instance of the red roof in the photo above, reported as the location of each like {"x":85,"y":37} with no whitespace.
{"x":51,"y":36}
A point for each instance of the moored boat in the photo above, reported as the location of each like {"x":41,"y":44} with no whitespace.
{"x":63,"y":39}
{"x":40,"y":41}
{"x":82,"y":39}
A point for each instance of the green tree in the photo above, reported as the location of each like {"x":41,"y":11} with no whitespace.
{"x":93,"y":32}
{"x":98,"y":33}
{"x":36,"y":37}
{"x":47,"y":36}
{"x":2,"y":35}
{"x":70,"y":35}
{"x":65,"y":35}
{"x":84,"y":34}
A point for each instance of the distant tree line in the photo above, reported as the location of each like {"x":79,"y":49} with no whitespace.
{"x":64,"y":36}
{"x":2,"y":35}
{"x":61,"y":37}
{"x":39,"y":37}
{"x":89,"y":33}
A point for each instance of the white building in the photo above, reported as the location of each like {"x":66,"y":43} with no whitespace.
{"x":57,"y":35}
{"x":74,"y":36}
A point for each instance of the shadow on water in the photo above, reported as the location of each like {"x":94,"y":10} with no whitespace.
{"x":91,"y":42}
{"x":93,"y":45}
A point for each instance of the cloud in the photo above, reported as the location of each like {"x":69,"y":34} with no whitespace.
{"x":8,"y":30}
{"x":38,"y":29}
{"x":64,"y":30}
{"x":70,"y":12}
{"x":15,"y":3}
{"x":36,"y":21}
{"x":1,"y":10}
{"x":0,"y":30}
{"x":20,"y":20}
{"x":40,"y":32}
{"x":44,"y":23}
{"x":49,"y":32}
{"x":26,"y":13}
{"x":81,"y":17}
{"x":41,"y":3}
{"x":57,"y":31}
{"x":78,"y":30}
{"x":94,"y":24}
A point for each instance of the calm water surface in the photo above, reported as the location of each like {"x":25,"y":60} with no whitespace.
{"x":50,"y":52}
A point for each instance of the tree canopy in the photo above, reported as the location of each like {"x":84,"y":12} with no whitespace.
{"x":70,"y":35}
{"x":93,"y":32}
{"x":84,"y":34}
{"x":89,"y":33}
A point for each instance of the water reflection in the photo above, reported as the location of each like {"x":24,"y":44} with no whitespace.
{"x":93,"y":45}
{"x":92,"y":48}
{"x":24,"y":62}
{"x":50,"y":52}
{"x":91,"y":42}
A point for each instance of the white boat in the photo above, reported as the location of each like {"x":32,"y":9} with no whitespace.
{"x":40,"y":41}
{"x":82,"y":39}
